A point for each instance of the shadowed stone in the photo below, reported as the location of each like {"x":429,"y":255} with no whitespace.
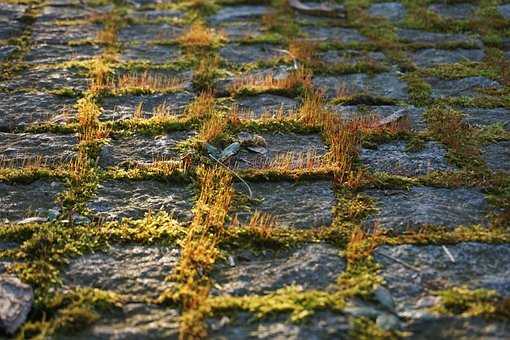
{"x":484,"y":117}
{"x":387,"y":85}
{"x":504,"y":10}
{"x":430,"y":56}
{"x":18,"y":201}
{"x":497,"y":156}
{"x":141,"y":149}
{"x":123,"y":107}
{"x":300,"y":205}
{"x":58,"y":34}
{"x":454,"y":11}
{"x":392,"y":11}
{"x":433,"y":38}
{"x":10,"y":29}
{"x":469,"y":86}
{"x":401,"y":210}
{"x":395,"y":159}
{"x":332,"y":33}
{"x":118,"y":199}
{"x":11,"y":11}
{"x":156,"y":14}
{"x":414,"y":114}
{"x":6,"y":51}
{"x":143,"y":33}
{"x":132,"y":269}
{"x":315,"y":266}
{"x":51,"y":13}
{"x":244,"y":54}
{"x":279,"y":144}
{"x":266,"y":104}
{"x":349,"y":57}
{"x":15,"y":303}
{"x":155,"y":54}
{"x":49,"y":79}
{"x":476,"y":265}
{"x":54,"y":54}
{"x":22,"y":109}
{"x":445,"y":327}
{"x":51,"y":149}
{"x":134,"y":321}
{"x":231,"y":13}
{"x":241,"y":30}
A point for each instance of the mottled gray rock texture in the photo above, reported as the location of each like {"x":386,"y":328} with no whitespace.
{"x":244,"y":54}
{"x":230,"y":13}
{"x":15,"y":303}
{"x":394,"y":158}
{"x":155,"y":54}
{"x":504,"y":10}
{"x":265,"y":105}
{"x":336,"y":34}
{"x":432,"y":38}
{"x":484,"y":117}
{"x":301,"y":205}
{"x":400,"y":210}
{"x":143,"y":33}
{"x":431,"y":56}
{"x":462,"y":11}
{"x":392,"y":11}
{"x":62,"y":34}
{"x":469,"y":86}
{"x":117,"y":199}
{"x":497,"y":156}
{"x":132,"y":269}
{"x":48,"y":79}
{"x":54,"y":54}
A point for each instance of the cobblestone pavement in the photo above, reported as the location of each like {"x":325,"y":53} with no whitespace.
{"x":236,"y":169}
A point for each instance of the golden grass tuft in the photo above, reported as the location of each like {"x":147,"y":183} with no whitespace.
{"x":295,"y":80}
{"x":198,"y":35}
{"x":212,"y":128}
{"x":262,"y":225}
{"x":145,"y":82}
{"x":202,"y":106}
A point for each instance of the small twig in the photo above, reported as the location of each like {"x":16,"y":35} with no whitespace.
{"x":408,"y":266}
{"x":450,"y":256}
{"x":235,"y":174}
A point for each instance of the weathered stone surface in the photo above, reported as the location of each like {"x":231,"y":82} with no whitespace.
{"x":118,"y":199}
{"x":462,"y":11}
{"x":497,"y":156}
{"x":143,"y":33}
{"x":241,"y":29}
{"x":10,"y":29}
{"x":51,"y":13}
{"x":17,"y":148}
{"x":381,"y":85}
{"x":401,"y":210}
{"x":15,"y":302}
{"x":278,"y":145}
{"x":123,"y":107}
{"x":134,"y":321}
{"x":11,"y":11}
{"x":301,"y":205}
{"x":166,"y":14}
{"x":433,"y":38}
{"x":392,"y":11}
{"x":476,"y":265}
{"x":49,"y":79}
{"x":430,"y":56}
{"x":140,"y":149}
{"x":6,"y":51}
{"x":18,"y":201}
{"x":266,"y":105}
{"x":460,"y":87}
{"x":321,"y":325}
{"x":54,"y":54}
{"x":244,"y":54}
{"x":315,"y":266}
{"x":458,"y":328}
{"x":349,"y":57}
{"x":133,"y":269}
{"x":22,"y":109}
{"x":332,"y":33}
{"x":504,"y":10}
{"x":155,"y":54}
{"x":230,"y":13}
{"x":414,"y":114}
{"x":484,"y":117}
{"x":59,"y":34}
{"x":395,"y":159}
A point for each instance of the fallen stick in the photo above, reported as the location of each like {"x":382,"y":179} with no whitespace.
{"x":450,"y":256}
{"x":235,"y":174}
{"x":408,"y":266}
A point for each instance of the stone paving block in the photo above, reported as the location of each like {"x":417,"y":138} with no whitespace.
{"x":10,"y":29}
{"x":11,"y":11}
{"x":414,"y":114}
{"x":401,"y":210}
{"x":266,"y":105}
{"x":48,"y":79}
{"x":241,"y":29}
{"x":278,"y":145}
{"x":395,"y":159}
{"x":131,"y":269}
{"x":123,"y":107}
{"x":504,"y":11}
{"x":314,"y":266}
{"x":497,"y":156}
{"x":58,"y":34}
{"x":155,"y":14}
{"x":387,"y":85}
{"x":231,"y":13}
{"x":51,"y":149}
{"x":349,"y":57}
{"x":476,"y":265}
{"x":117,"y":199}
{"x":54,"y":54}
{"x":484,"y":117}
{"x":393,"y":11}
{"x":434,"y":38}
{"x":23,"y":109}
{"x":20,"y":201}
{"x":143,"y":33}
{"x":431,"y":57}
{"x":462,"y":11}
{"x":52,"y":13}
{"x":244,"y":54}
{"x":6,"y":51}
{"x":333,"y":34}
{"x":304,"y":204}
{"x":155,"y":54}
{"x":142,"y":149}
{"x":469,"y":86}
{"x":458,"y":328}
